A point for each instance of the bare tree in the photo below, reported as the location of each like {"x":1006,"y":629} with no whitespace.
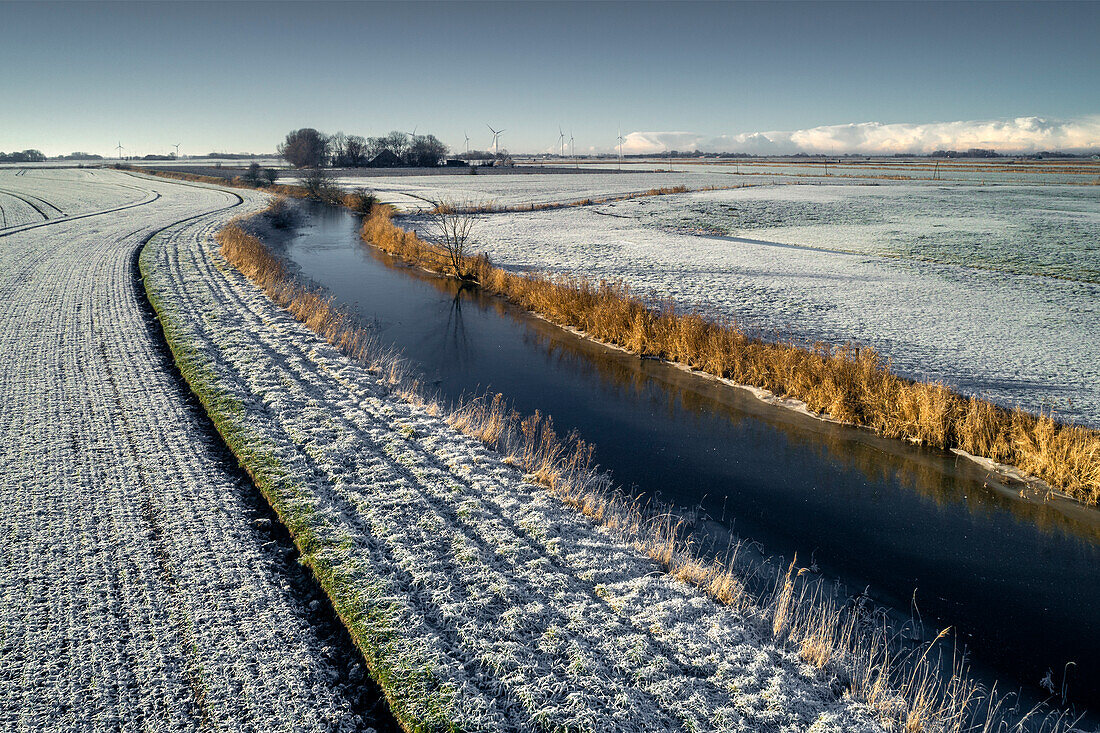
{"x":305,"y":148}
{"x":355,"y":150}
{"x":452,"y":225}
{"x":319,"y":185}
{"x":425,"y":151}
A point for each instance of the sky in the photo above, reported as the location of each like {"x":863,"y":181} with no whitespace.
{"x":776,"y":77}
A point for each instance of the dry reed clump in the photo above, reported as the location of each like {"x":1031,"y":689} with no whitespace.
{"x":361,"y":201}
{"x":908,"y":689}
{"x":311,"y":306}
{"x":849,"y":383}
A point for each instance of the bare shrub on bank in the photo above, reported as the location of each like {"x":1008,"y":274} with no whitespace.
{"x":281,"y":214}
{"x":452,"y":225}
{"x":361,"y":201}
{"x":319,"y":185}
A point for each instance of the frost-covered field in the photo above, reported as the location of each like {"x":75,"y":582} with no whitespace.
{"x":35,"y":195}
{"x":991,"y":289}
{"x":413,"y":192}
{"x":138,"y":590}
{"x":499,"y":608}
{"x":1076,"y":172}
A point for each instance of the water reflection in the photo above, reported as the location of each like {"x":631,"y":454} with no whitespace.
{"x":1018,"y":578}
{"x":943,"y":478}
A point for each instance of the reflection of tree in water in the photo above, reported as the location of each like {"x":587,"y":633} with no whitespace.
{"x":453,"y":341}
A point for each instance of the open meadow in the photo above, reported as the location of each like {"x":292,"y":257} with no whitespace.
{"x":992,"y":290}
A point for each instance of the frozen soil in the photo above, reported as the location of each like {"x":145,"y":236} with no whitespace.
{"x":30,"y":196}
{"x":485,"y":603}
{"x":143,"y":585}
{"x":990,"y":290}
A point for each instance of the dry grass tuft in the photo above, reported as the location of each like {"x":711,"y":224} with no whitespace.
{"x":849,"y":383}
{"x":311,"y":306}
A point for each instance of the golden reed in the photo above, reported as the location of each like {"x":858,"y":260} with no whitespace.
{"x":849,"y":383}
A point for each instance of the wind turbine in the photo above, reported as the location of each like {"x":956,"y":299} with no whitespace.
{"x":467,"y":144}
{"x":119,"y":146}
{"x":620,"y":140}
{"x":572,"y":148}
{"x":561,"y":141}
{"x":177,"y":147}
{"x":496,"y":140}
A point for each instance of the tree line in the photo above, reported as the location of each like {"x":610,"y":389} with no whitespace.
{"x":310,"y":148}
{"x":27,"y":156}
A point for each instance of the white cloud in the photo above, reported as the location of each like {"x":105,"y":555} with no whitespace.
{"x":1019,"y":135}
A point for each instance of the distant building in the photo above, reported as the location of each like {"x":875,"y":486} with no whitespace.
{"x":385,"y":159}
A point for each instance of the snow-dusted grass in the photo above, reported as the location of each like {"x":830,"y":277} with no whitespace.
{"x":996,"y":330}
{"x":137,"y":591}
{"x":904,"y":691}
{"x":481,"y":600}
{"x":33,"y":195}
{"x":1076,"y":172}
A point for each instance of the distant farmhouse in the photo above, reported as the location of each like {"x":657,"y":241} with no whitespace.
{"x":385,"y":159}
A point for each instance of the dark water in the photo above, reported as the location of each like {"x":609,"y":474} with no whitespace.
{"x":1019,"y":580}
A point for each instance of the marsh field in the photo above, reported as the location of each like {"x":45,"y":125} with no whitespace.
{"x":702,"y":558}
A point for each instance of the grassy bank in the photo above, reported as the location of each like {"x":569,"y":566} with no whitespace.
{"x":412,"y":695}
{"x":906,"y":689}
{"x":851,"y":384}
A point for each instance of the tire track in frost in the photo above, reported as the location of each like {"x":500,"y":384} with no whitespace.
{"x":30,"y":201}
{"x":371,"y":699}
{"x":48,"y":222}
{"x":132,"y":548}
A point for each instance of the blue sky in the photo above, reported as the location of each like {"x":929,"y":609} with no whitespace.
{"x":236,"y":77}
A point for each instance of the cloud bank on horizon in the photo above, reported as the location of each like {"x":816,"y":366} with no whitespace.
{"x":1019,"y":135}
